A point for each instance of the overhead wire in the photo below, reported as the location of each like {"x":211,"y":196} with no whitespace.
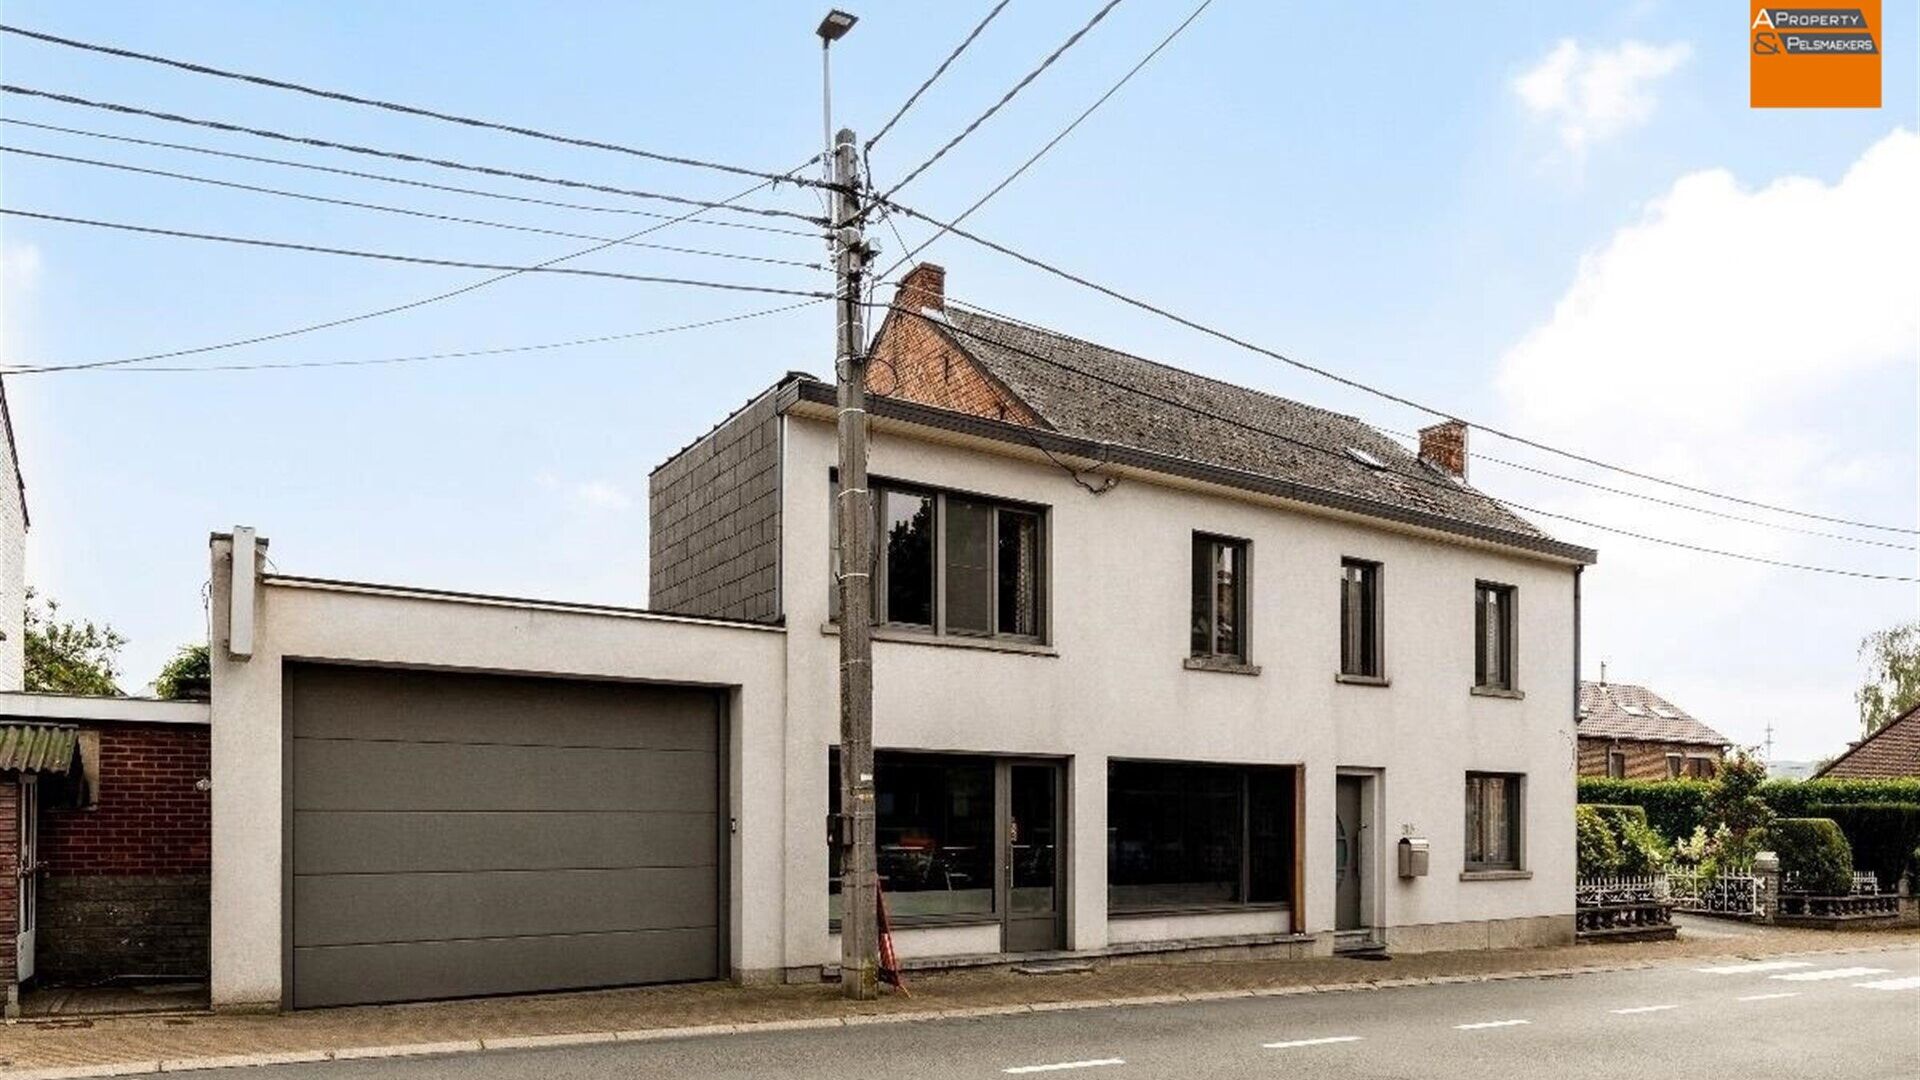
{"x":628,"y":211}
{"x":867,"y":147}
{"x":397,"y":155}
{"x":1011,"y":93}
{"x":1433,"y":481}
{"x":401,"y":210}
{"x":1243,"y":343}
{"x":390,"y":106}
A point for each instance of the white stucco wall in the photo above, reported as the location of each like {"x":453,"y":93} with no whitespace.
{"x":13,"y":568}
{"x":1120,"y":566}
{"x":299,"y":621}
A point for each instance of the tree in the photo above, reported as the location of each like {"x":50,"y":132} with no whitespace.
{"x":187,"y":675}
{"x":1893,"y":675}
{"x":69,"y":657}
{"x":1737,"y":816}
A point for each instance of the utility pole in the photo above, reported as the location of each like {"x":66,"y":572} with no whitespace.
{"x":854,"y":831}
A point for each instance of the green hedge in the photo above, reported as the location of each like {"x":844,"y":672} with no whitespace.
{"x":1598,"y":852}
{"x":1884,"y":836}
{"x":1674,"y":807}
{"x":1816,"y":852}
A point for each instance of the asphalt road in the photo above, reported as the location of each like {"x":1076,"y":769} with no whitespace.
{"x":1854,"y":1015}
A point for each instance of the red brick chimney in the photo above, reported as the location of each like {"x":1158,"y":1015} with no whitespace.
{"x":1444,"y":446}
{"x":924,"y":288}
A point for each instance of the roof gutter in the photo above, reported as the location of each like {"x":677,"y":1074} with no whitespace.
{"x":799,"y":391}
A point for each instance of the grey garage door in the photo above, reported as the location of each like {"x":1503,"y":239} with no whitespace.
{"x":456,"y":835}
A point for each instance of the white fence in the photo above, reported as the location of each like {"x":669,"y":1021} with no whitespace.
{"x":1715,"y":894}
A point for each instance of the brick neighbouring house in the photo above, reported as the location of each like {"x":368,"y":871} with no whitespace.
{"x":1889,"y":753}
{"x":1630,"y":732}
{"x":117,"y":884}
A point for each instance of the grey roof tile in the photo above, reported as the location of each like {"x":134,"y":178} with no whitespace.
{"x":1624,"y":711}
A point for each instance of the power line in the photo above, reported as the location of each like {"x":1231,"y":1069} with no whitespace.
{"x":1415,"y":477}
{"x":395,"y":155}
{"x":937,"y":72}
{"x":629,"y":211}
{"x":1004,"y":98}
{"x":391,"y":106}
{"x":402,"y":210}
{"x":376,"y":313}
{"x":421,"y":260}
{"x":1658,"y":501}
{"x":1053,"y":142}
{"x":290,"y":365}
{"x":1388,"y":395}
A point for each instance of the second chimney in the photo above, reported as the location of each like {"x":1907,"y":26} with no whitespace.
{"x":1444,"y":446}
{"x":924,"y":288}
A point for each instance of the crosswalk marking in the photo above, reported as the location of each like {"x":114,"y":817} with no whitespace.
{"x":1755,"y":966}
{"x":1057,"y":1066}
{"x":1909,"y":982}
{"x":1327,"y":1041}
{"x":1643,"y":1009}
{"x":1490,"y":1024}
{"x":1769,"y":997}
{"x":1830,"y":973}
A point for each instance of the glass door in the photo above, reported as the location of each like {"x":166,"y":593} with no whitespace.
{"x":1032,"y":847}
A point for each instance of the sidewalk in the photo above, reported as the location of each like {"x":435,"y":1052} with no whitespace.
{"x":69,"y":1047}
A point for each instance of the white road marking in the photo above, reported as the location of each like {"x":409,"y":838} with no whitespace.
{"x":1910,"y":982}
{"x":1490,"y":1024}
{"x":1642,"y":1009}
{"x":1327,"y":1041}
{"x":1758,"y":965}
{"x":1057,"y":1066}
{"x":1830,"y":973}
{"x":1769,"y":997}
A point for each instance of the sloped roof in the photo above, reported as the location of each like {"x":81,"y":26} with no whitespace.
{"x":1893,"y":751}
{"x":1034,"y":364}
{"x":1624,"y":711}
{"x":38,"y":748}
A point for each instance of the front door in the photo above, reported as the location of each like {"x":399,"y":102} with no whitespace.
{"x":29,"y":874}
{"x":1348,"y":862}
{"x":1030,"y":856}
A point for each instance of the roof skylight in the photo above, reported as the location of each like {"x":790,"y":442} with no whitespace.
{"x":1633,"y":710}
{"x":1365,"y":458}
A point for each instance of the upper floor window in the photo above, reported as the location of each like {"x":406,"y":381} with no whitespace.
{"x":1617,"y":764}
{"x":1493,"y":613}
{"x":1360,"y":609}
{"x":1219,"y":597}
{"x":956,"y":564}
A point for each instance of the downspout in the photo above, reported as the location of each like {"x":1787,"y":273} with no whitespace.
{"x":1576,"y":667}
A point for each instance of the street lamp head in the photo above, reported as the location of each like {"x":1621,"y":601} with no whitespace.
{"x":835,"y":26}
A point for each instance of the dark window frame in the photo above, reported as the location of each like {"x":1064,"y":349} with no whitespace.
{"x":1514,"y":786}
{"x":1286,"y":858}
{"x":1506,"y":603}
{"x":1620,"y":756}
{"x":999,"y":508}
{"x":1369,"y":639}
{"x":1212,"y":544}
{"x":1676,"y":766}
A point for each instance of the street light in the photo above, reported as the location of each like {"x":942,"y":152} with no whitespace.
{"x":831,"y":29}
{"x":835,"y":25}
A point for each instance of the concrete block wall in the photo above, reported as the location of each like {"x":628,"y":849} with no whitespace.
{"x":714,"y":521}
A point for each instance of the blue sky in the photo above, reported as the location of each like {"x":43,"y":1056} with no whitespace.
{"x":1563,"y":218}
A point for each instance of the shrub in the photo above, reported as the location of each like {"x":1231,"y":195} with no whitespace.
{"x":1642,"y":851}
{"x":1798,"y":798}
{"x":1674,"y":807}
{"x":1598,"y":853}
{"x":1883,"y":836}
{"x":1815,"y":851}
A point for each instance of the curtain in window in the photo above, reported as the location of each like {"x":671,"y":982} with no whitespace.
{"x":1019,"y":573}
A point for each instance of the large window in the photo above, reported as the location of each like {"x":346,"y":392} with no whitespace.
{"x":1493,"y":821}
{"x":933,"y":816}
{"x":1185,"y":836}
{"x":955,"y":564}
{"x":1493,"y":613}
{"x":1219,"y":598}
{"x":1360,"y":609}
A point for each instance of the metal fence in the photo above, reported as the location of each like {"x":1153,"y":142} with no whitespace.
{"x":1714,"y":894}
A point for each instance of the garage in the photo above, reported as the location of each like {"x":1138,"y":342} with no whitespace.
{"x":459,"y":834}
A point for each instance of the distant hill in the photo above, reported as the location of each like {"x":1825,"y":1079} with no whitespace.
{"x":1791,"y":770}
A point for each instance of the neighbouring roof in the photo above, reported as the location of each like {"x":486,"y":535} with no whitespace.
{"x":1892,"y":751}
{"x":1624,"y":711}
{"x":1087,"y":403}
{"x":38,"y":748}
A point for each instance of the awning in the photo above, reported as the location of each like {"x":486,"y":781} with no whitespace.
{"x":38,"y":748}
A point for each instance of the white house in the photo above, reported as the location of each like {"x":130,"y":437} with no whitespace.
{"x":1163,"y":665}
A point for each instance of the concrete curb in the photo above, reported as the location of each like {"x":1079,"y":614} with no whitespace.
{"x":589,"y":1038}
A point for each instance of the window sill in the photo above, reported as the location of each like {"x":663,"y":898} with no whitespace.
{"x":1497,"y":692}
{"x":1363,"y":680}
{"x":951,"y":641}
{"x":1496,"y":875}
{"x":1198,"y":909}
{"x":1220,"y":664}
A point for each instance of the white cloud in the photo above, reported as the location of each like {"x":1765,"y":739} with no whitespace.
{"x":1757,"y":340}
{"x":1592,"y":94}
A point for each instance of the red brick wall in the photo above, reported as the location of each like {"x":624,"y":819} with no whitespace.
{"x":1645,"y":760}
{"x":915,"y":360}
{"x":152,"y":819}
